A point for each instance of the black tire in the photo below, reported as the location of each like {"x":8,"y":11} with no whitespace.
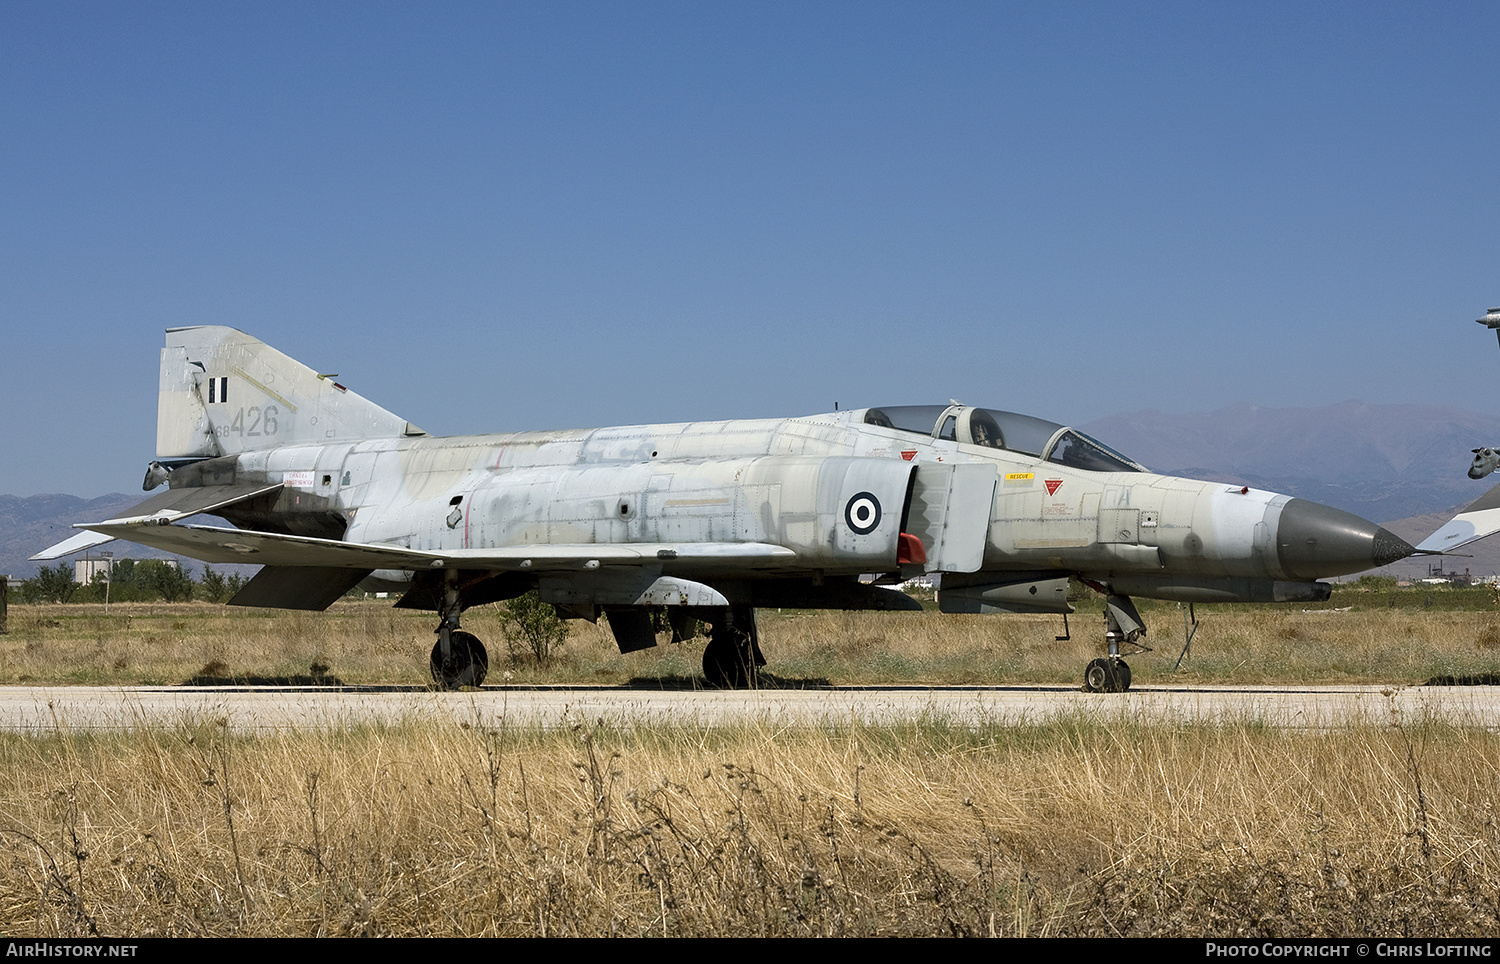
{"x":467,"y":665}
{"x":1099,"y":676}
{"x":724,"y":663}
{"x":1122,"y":676}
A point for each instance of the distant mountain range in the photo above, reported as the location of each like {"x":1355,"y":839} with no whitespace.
{"x":1405,"y":466}
{"x":1383,"y":462}
{"x":32,"y":523}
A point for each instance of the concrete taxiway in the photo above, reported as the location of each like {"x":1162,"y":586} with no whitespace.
{"x":46,"y":709}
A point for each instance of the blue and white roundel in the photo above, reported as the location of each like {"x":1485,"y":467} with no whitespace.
{"x":863,"y":513}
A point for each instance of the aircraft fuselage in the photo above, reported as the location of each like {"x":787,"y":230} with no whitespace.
{"x":787,"y":482}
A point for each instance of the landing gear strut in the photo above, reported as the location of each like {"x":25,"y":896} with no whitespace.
{"x":733,"y":654}
{"x":1123,"y":626}
{"x":458,"y":658}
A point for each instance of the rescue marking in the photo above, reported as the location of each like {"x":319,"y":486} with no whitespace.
{"x":1053,"y":485}
{"x":908,"y":454}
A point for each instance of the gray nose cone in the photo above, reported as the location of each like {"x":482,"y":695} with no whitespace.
{"x":1314,"y":540}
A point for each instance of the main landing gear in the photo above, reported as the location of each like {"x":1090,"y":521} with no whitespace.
{"x":458,"y":658}
{"x":732,"y":656}
{"x":465,"y":664}
{"x":1123,"y":626}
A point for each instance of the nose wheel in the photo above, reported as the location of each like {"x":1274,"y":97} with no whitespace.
{"x":1123,"y":627}
{"x":1107,"y":675}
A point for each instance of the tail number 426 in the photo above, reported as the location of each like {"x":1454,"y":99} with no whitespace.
{"x":252,"y":422}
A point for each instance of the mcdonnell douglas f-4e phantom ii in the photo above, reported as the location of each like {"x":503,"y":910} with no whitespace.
{"x":708,"y":519}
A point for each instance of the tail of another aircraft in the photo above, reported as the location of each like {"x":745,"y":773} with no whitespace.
{"x":223,"y":392}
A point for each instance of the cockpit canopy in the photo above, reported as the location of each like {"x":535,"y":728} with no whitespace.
{"x":987,"y":427}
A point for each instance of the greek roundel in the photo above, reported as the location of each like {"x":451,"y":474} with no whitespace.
{"x":862,"y":513}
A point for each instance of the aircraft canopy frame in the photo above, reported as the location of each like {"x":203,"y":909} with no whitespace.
{"x":1010,"y":431}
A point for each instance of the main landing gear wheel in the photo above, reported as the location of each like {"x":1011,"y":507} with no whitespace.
{"x":466,"y":665}
{"x":733,"y":652}
{"x":1105,"y":675}
{"x":723,"y":664}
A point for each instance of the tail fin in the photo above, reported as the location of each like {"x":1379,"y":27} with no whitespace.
{"x":223,"y":392}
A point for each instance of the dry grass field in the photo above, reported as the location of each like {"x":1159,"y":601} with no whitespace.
{"x":366,"y":642}
{"x":1071,"y":827}
{"x":926,"y":829}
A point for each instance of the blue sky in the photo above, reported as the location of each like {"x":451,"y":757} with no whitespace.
{"x":490,"y":217}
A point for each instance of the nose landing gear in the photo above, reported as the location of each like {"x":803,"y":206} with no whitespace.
{"x":1123,"y":626}
{"x":1107,"y":675}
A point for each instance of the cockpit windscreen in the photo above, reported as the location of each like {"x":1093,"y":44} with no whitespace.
{"x":1079,"y":451}
{"x":995,"y":429}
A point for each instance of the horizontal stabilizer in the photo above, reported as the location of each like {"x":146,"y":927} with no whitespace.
{"x":220,"y":545}
{"x":78,"y":542}
{"x":1480,"y":519}
{"x":160,"y":509}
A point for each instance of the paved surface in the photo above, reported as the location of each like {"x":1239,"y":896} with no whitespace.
{"x":45,"y":709}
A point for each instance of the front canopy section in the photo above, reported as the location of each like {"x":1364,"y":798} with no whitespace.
{"x":991,"y":428}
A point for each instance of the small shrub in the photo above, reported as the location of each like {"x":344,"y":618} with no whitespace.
{"x":217,"y":587}
{"x":532,"y":628}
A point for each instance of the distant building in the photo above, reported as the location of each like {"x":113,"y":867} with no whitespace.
{"x":85,"y":569}
{"x":1438,"y":576}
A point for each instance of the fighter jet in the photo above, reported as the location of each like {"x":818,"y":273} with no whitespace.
{"x":1491,"y":320}
{"x":1485,"y":458}
{"x":328,"y":491}
{"x":1485,"y":461}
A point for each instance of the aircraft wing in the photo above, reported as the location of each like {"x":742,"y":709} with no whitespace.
{"x":220,"y":545}
{"x":1480,"y":519}
{"x":160,"y":509}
